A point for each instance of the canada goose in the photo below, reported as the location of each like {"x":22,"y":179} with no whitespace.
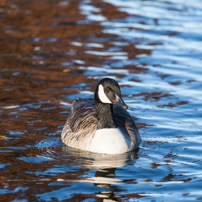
{"x":101,"y":125}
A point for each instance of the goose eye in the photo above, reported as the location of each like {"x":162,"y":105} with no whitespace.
{"x":107,"y":90}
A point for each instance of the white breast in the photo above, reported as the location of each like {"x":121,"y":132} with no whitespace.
{"x":109,"y":141}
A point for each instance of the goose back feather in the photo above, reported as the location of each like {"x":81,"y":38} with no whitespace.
{"x":81,"y":125}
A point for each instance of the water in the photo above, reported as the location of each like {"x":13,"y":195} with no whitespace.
{"x":52,"y":52}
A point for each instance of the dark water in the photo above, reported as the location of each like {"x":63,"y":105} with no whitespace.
{"x":52,"y":52}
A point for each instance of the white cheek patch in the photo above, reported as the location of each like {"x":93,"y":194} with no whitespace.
{"x":102,"y":96}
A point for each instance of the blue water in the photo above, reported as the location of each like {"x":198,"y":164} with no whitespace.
{"x":153,"y":50}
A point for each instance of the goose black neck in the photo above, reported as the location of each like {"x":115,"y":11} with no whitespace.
{"x":105,"y":117}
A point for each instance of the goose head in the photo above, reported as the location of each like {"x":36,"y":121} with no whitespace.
{"x":108,"y":92}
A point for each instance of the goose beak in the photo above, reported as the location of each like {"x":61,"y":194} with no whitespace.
{"x":119,"y":101}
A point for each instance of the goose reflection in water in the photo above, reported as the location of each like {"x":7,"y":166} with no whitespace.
{"x":105,"y":165}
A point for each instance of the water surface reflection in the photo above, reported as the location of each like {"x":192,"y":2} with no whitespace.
{"x":105,"y":167}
